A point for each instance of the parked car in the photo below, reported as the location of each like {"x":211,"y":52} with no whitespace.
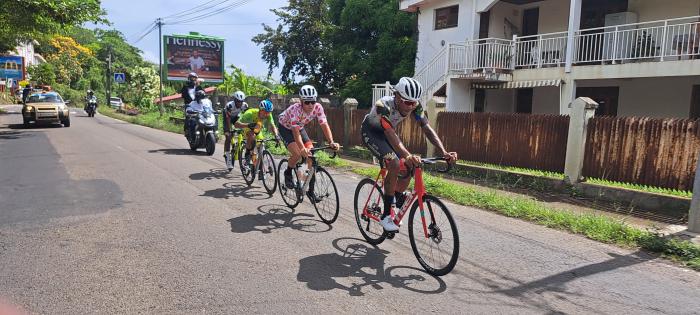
{"x":116,"y":102}
{"x":45,"y":107}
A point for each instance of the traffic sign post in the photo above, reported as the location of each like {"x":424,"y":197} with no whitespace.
{"x":119,"y":77}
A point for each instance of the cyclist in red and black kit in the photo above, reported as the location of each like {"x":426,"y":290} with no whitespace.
{"x":379,"y":136}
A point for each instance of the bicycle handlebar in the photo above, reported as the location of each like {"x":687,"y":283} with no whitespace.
{"x":333,"y":154}
{"x":434,"y":160}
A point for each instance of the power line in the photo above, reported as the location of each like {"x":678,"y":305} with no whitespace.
{"x":146,"y":34}
{"x":196,"y":9}
{"x":141,"y":31}
{"x":212,"y":13}
{"x":191,"y":10}
{"x":229,"y":24}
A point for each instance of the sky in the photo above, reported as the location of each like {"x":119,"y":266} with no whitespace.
{"x":132,"y":19}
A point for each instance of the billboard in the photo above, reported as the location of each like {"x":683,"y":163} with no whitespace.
{"x":203,"y":55}
{"x":12,"y":67}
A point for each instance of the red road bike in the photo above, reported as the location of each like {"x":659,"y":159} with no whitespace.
{"x":434,"y":237}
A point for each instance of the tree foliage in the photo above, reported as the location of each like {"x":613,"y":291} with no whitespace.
{"x":23,"y":20}
{"x":342,"y":45}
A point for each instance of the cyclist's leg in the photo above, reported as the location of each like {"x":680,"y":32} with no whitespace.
{"x":294,"y":153}
{"x":376,"y":142}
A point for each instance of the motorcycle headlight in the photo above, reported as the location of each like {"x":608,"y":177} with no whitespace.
{"x":30,"y":108}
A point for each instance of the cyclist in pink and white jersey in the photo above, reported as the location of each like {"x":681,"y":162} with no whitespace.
{"x":291,"y":128}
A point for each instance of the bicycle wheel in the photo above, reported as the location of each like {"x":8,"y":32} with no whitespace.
{"x":241,"y":158}
{"x":438,"y":252}
{"x":289,"y":195}
{"x":328,"y":202}
{"x":267,"y":166}
{"x":247,"y":168}
{"x":369,"y":196}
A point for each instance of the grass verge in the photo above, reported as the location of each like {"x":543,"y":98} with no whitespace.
{"x":595,"y":227}
{"x":152,"y":119}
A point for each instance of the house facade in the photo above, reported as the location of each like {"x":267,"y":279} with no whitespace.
{"x":634,"y":57}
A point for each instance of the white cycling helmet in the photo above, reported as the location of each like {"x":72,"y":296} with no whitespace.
{"x":239,"y":96}
{"x":409,"y":89}
{"x":308,"y":93}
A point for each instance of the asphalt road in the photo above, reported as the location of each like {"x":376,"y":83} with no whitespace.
{"x":109,"y":217}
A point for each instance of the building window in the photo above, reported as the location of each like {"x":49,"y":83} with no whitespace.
{"x":446,"y":17}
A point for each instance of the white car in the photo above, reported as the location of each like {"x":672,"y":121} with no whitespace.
{"x":116,"y":102}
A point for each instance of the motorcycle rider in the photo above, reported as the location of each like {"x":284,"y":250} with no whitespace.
{"x":232,"y":111}
{"x":196,"y":106}
{"x":88,"y":97}
{"x":190,"y":88}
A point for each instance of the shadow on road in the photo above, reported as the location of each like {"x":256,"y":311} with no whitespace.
{"x":214,"y":173}
{"x":234,"y":190}
{"x":177,"y":152}
{"x":358,"y":265}
{"x":12,"y":135}
{"x":274,"y":217}
{"x":550,"y":293}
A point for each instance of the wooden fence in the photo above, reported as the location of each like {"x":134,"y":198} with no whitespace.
{"x":521,"y":140}
{"x":649,"y":151}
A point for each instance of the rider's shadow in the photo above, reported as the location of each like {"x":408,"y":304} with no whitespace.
{"x":214,"y":173}
{"x":273,"y":217}
{"x":234,"y":190}
{"x":359,"y":265}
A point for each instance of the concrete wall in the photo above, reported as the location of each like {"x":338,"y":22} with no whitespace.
{"x":653,"y":97}
{"x":554,"y":17}
{"x":460,"y":96}
{"x":429,"y":39}
{"x":500,"y":101}
{"x":652,"y":10}
{"x":545,"y":100}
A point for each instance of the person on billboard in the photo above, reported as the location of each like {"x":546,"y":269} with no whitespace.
{"x":196,"y":62}
{"x":190,"y":88}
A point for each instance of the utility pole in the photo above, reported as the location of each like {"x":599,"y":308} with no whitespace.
{"x":109,"y":74}
{"x":159,"y":21}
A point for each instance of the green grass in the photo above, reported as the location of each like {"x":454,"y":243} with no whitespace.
{"x":595,"y":227}
{"x":644,"y":188}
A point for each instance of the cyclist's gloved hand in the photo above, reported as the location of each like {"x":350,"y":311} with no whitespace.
{"x":450,"y":157}
{"x":252,"y":125}
{"x":334,"y":145}
{"x":412,"y":161}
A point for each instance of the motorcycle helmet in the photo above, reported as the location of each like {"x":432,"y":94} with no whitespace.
{"x":239,"y":96}
{"x":308,"y":93}
{"x":200,"y":95}
{"x":409,"y":89}
{"x":267,"y":106}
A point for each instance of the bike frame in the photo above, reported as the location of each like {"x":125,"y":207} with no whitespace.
{"x":417,"y":194}
{"x":236,"y":142}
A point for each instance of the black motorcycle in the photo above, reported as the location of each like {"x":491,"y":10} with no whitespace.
{"x":91,"y":107}
{"x":205,"y":132}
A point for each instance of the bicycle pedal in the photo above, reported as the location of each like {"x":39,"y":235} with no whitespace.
{"x":390,"y":235}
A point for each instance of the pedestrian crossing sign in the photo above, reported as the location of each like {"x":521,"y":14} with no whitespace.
{"x":119,"y":77}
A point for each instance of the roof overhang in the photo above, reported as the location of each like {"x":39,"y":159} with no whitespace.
{"x":517,"y":84}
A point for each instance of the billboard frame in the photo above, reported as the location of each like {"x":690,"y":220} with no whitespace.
{"x":195,"y":36}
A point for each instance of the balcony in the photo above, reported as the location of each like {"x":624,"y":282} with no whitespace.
{"x":656,"y":41}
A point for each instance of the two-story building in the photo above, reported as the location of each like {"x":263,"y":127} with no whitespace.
{"x":635,"y":57}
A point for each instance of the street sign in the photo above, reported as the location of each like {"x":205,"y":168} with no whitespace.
{"x":119,"y":77}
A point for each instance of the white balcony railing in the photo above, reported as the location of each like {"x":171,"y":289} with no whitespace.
{"x":540,"y":50}
{"x":481,"y":54}
{"x":647,"y":41}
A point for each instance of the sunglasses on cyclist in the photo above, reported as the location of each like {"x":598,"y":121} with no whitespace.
{"x":309,"y":102}
{"x":409,"y":103}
